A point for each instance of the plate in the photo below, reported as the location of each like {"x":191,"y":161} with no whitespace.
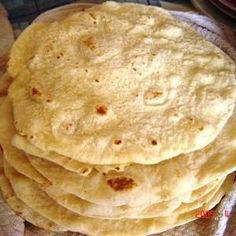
{"x":229,"y":3}
{"x":224,"y":9}
{"x":208,"y":9}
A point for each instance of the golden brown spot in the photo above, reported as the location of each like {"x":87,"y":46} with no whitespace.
{"x":156,"y":94}
{"x":117,"y":141}
{"x":90,"y":43}
{"x":154,"y":142}
{"x":102,"y":110}
{"x":104,"y":174}
{"x":1,"y":149}
{"x":121,"y":183}
{"x":50,"y":225}
{"x":96,"y":80}
{"x":85,"y":170}
{"x":35,"y":91}
{"x":92,"y":15}
{"x":48,"y":100}
{"x":60,"y":55}
{"x":117,"y":168}
{"x":82,"y":9}
{"x":201,"y":128}
{"x":134,"y":69}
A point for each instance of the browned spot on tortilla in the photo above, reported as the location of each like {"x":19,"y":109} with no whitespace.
{"x":92,"y":15}
{"x":154,"y":142}
{"x":201,"y":128}
{"x":117,"y":168}
{"x":117,"y":141}
{"x":85,"y":170}
{"x":90,"y":43}
{"x":1,"y":149}
{"x":156,"y":94}
{"x":35,"y":92}
{"x":102,"y":110}
{"x":121,"y":183}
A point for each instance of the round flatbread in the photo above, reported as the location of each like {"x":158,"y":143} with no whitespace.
{"x":152,"y":183}
{"x":29,"y":193}
{"x":119,"y":83}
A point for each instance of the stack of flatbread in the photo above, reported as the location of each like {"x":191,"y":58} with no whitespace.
{"x":119,"y":120}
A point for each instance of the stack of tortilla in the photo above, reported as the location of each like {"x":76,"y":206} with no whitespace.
{"x":119,"y":120}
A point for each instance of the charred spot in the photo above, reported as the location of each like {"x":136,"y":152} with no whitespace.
{"x":117,"y":168}
{"x":1,"y":149}
{"x":101,"y":110}
{"x":31,"y":137}
{"x":86,"y":70}
{"x":49,"y":100}
{"x":90,"y":43}
{"x":121,"y":183}
{"x":118,"y":141}
{"x":154,"y":142}
{"x":96,"y":80}
{"x":104,"y":174}
{"x":35,"y":92}
{"x":82,"y":9}
{"x":134,"y":69}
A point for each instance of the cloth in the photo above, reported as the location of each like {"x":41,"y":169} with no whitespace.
{"x":223,"y":222}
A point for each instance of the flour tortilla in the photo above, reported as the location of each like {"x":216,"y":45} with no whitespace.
{"x":73,"y":165}
{"x":28,"y":192}
{"x":14,"y":156}
{"x":152,"y":183}
{"x":20,"y":208}
{"x":21,"y":163}
{"x":165,"y":208}
{"x":119,"y":83}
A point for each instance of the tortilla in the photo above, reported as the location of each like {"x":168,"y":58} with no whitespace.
{"x":119,"y":83}
{"x":28,"y":192}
